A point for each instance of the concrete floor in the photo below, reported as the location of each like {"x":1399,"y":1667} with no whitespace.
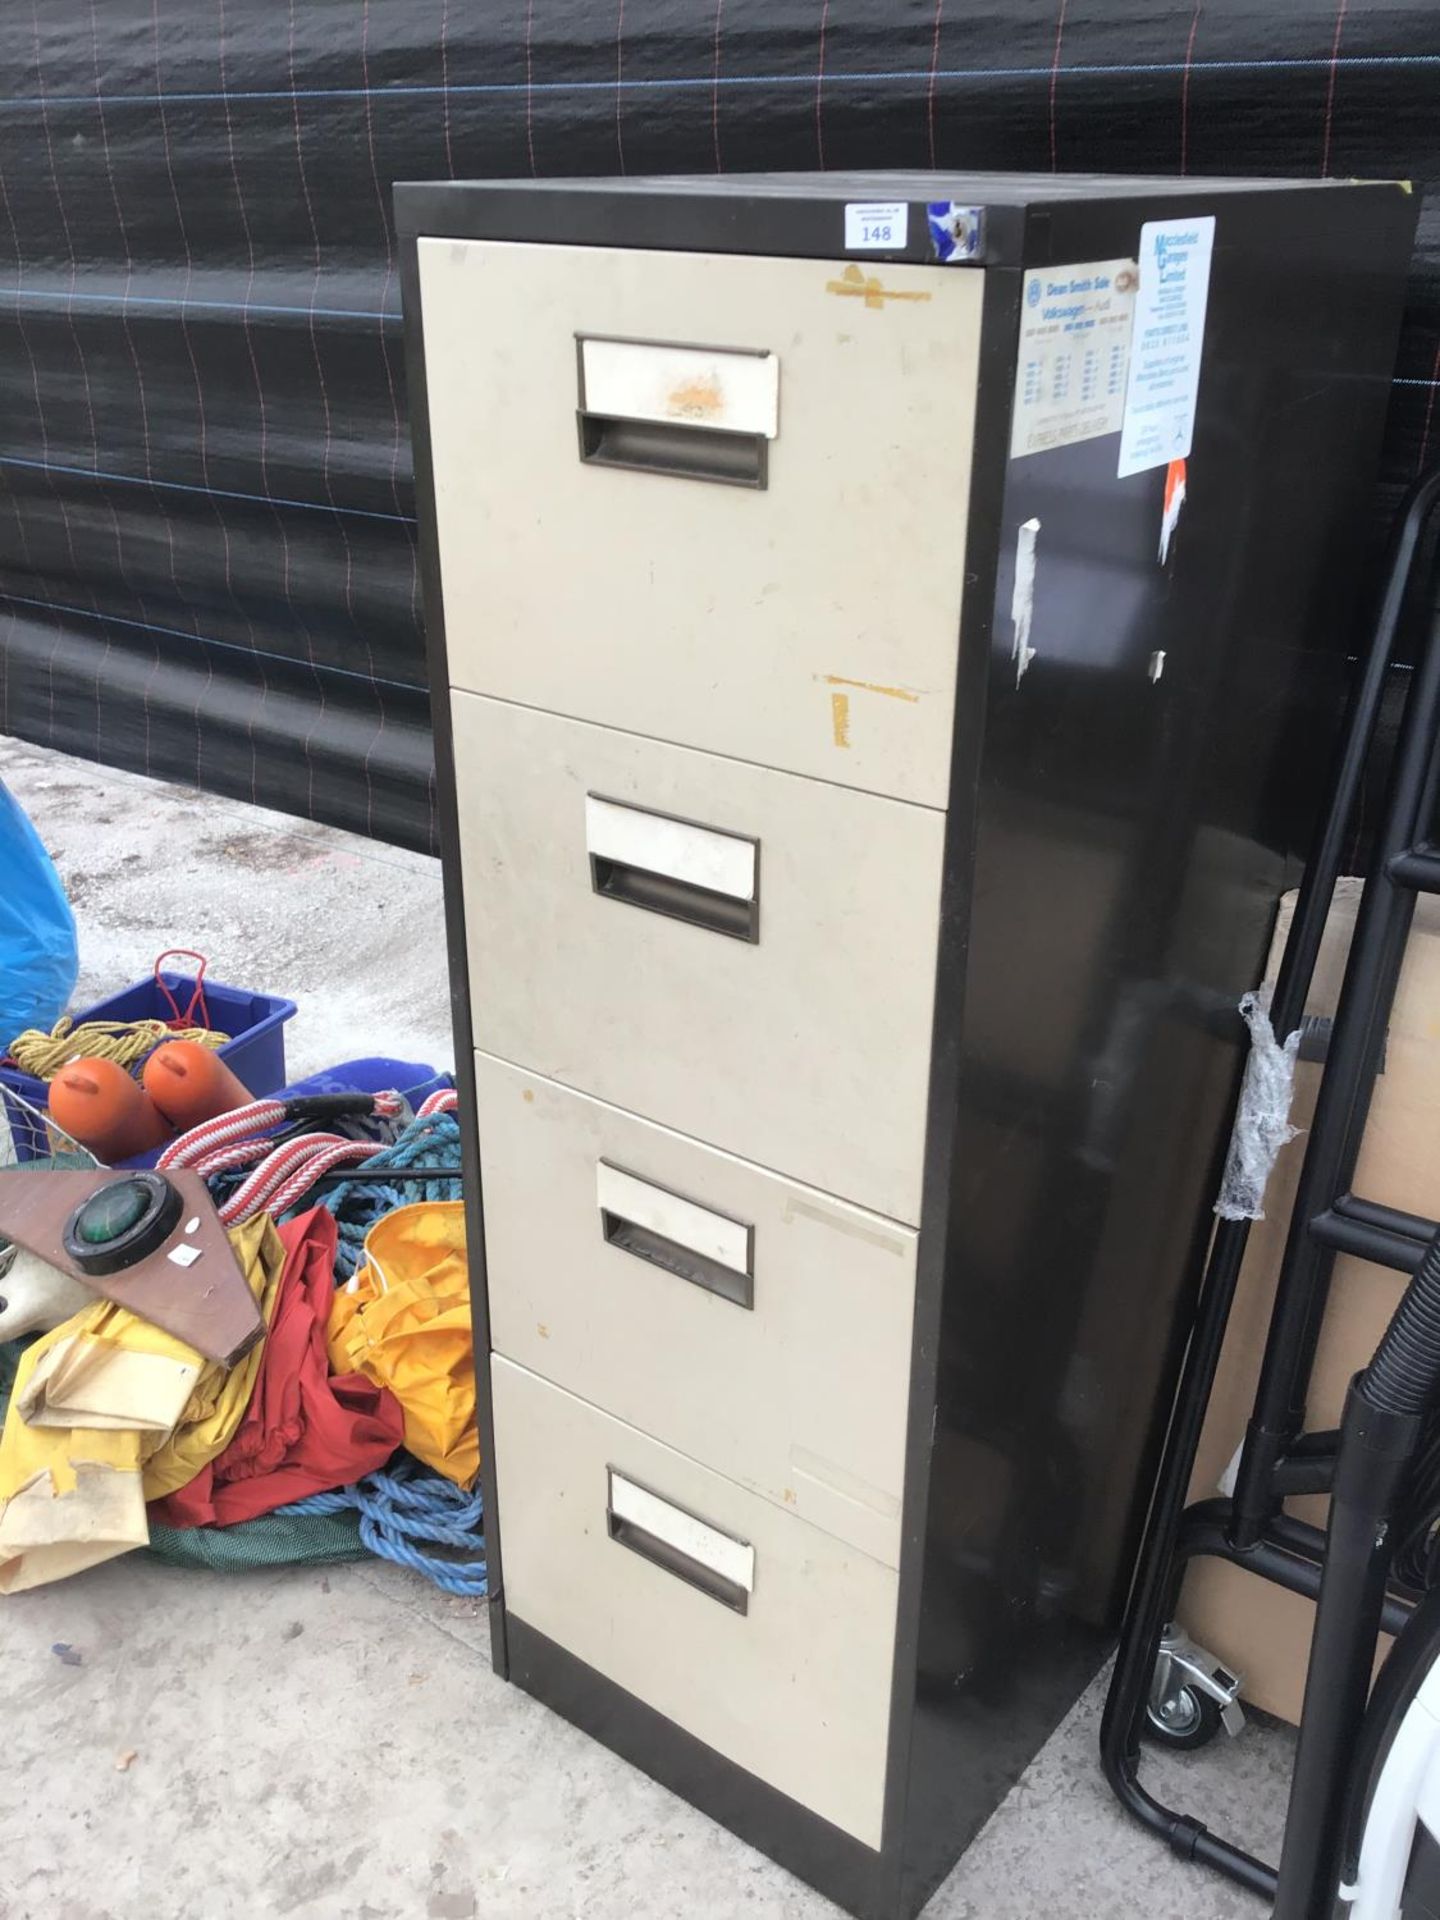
{"x":334,"y":1744}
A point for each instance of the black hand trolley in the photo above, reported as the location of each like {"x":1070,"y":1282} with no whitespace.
{"x":1366,"y":1466}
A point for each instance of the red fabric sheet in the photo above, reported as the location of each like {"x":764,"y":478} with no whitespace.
{"x":304,"y":1431}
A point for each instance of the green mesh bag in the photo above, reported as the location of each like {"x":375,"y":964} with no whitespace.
{"x":273,"y":1540}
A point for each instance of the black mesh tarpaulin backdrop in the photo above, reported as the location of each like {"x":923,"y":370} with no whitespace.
{"x":207,"y":537}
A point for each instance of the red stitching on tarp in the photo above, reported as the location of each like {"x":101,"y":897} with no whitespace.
{"x":820,"y":86}
{"x":318,"y":719}
{"x":620,"y":82}
{"x":934,"y":86}
{"x":1330,"y":89}
{"x":264,"y":447}
{"x":530,"y":85}
{"x":1185,"y":90}
{"x":1055,"y":85}
{"x":445,"y":85}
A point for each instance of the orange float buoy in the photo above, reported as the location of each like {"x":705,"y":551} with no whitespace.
{"x":98,"y":1104}
{"x":190,"y":1083}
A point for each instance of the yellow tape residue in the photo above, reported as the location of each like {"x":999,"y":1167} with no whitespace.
{"x":840,"y":718}
{"x":869,"y":288}
{"x":870,"y":686}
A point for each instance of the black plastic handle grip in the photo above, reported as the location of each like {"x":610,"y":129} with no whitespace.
{"x":676,"y":899}
{"x":675,"y":448}
{"x":672,"y":1559}
{"x":684,"y":1262}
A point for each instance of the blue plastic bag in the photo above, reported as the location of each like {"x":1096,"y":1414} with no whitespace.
{"x":38,"y":960}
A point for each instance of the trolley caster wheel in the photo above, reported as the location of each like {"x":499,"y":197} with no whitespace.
{"x":1187,"y":1720}
{"x":1191,"y":1695}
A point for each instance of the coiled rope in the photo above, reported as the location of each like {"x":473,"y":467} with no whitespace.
{"x":126,"y":1042}
{"x":432,"y":1139}
{"x":404,"y":1506}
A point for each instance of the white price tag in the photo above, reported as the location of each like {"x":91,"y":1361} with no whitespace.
{"x":875,"y":225}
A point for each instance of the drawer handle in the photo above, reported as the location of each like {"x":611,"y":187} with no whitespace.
{"x":694,"y":1243}
{"x":682,"y":452}
{"x":668,"y":1537}
{"x":693,"y":413}
{"x":703,"y":875}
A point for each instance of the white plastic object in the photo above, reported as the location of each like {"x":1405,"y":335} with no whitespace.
{"x":1262,"y":1120}
{"x":37,"y":1296}
{"x":1407,"y":1792}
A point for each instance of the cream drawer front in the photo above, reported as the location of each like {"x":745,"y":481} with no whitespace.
{"x":810,"y":624}
{"x":791,"y":1028}
{"x":620,"y":1258}
{"x":765,"y":1638}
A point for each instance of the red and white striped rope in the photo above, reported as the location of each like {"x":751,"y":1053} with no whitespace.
{"x":241,"y":1154}
{"x":258,"y":1117}
{"x":284,"y":1175}
{"x":276,"y":1165}
{"x":285,"y":1170}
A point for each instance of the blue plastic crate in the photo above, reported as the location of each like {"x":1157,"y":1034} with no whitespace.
{"x":255,"y":1051}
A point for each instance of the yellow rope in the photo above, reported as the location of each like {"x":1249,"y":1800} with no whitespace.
{"x":126,"y":1042}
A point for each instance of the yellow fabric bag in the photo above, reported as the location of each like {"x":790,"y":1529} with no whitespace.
{"x":405,"y":1321}
{"x":72,"y":1493}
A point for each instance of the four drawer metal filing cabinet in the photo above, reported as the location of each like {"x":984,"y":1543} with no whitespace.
{"x":887,"y":638}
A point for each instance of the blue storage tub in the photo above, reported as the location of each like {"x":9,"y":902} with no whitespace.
{"x":255,"y":1051}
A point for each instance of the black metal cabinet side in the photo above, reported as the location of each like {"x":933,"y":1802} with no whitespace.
{"x":1132,"y":836}
{"x":439,"y":669}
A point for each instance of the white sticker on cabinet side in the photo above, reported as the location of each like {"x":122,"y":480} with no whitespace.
{"x":1074,"y":351}
{"x":1167,"y":342}
{"x":1022,"y":597}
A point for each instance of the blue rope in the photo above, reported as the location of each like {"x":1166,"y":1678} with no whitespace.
{"x":405,"y":1505}
{"x":358,"y":1204}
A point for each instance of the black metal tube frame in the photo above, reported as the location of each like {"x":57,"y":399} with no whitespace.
{"x":1278,"y":1458}
{"x":1377,"y":1447}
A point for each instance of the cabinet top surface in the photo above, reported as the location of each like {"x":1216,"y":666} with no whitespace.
{"x":985,"y":189}
{"x":1006,"y":219}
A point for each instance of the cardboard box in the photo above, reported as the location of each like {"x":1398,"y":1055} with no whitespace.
{"x":1257,"y":1629}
